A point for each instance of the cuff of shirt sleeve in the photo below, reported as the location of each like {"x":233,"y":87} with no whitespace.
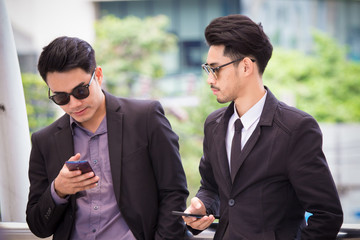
{"x":58,"y":200}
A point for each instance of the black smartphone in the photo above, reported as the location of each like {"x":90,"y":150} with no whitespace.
{"x":82,"y":165}
{"x":178,"y":213}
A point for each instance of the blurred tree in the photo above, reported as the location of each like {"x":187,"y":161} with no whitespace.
{"x":40,"y":110}
{"x":323,"y":83}
{"x":191,"y":134}
{"x":130,"y":48}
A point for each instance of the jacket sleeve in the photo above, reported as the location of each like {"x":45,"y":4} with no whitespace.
{"x":42,"y":214}
{"x":311,"y":178}
{"x":208,"y":191}
{"x":169,"y":174}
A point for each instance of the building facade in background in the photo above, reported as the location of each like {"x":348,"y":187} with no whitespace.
{"x":288,"y":23}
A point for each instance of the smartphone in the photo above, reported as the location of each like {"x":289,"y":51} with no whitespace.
{"x":82,"y":165}
{"x":178,"y":213}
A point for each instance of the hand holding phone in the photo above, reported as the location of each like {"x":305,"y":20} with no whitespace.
{"x":82,"y":165}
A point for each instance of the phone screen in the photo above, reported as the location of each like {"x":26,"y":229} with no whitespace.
{"x":187,"y":214}
{"x":82,"y":165}
{"x":178,"y":213}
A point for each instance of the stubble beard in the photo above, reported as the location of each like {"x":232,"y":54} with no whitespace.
{"x":223,"y":99}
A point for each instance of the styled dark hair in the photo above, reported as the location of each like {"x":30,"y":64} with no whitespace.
{"x":241,"y":37}
{"x":64,"y":54}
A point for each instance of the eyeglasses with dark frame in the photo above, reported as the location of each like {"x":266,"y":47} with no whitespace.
{"x":79,"y":92}
{"x":213,"y":71}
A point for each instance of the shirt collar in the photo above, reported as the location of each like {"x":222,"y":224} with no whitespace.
{"x":101,"y":129}
{"x":73,"y":124}
{"x":251,"y":116}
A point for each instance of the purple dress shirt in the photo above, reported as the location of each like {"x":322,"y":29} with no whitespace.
{"x":98,"y":215}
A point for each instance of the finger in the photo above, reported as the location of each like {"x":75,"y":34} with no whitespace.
{"x":206,"y":222}
{"x":189,"y":219}
{"x":93,"y":185}
{"x":76,"y":157}
{"x":70,"y":186}
{"x":202,"y":223}
{"x":196,"y":207}
{"x":195,"y":202}
{"x":192,"y":221}
{"x":87,"y":184}
{"x":82,"y":177}
{"x":70,"y":174}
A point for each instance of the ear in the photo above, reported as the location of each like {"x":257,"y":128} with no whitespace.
{"x":249,"y":66}
{"x":99,"y":74}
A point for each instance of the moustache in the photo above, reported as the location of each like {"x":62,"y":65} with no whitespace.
{"x":213,"y":87}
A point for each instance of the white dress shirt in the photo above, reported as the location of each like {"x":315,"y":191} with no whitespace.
{"x":249,"y":120}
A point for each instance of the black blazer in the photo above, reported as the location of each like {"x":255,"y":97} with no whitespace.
{"x":148,"y":177}
{"x":281,"y":173}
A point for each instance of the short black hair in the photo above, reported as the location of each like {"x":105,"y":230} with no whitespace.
{"x":64,"y":54}
{"x":241,"y":37}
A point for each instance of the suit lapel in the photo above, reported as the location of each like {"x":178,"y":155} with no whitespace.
{"x":219,"y":133}
{"x":245,"y":152}
{"x":266,"y":119}
{"x":64,"y":140}
{"x":115,"y":140}
{"x":219,"y":136}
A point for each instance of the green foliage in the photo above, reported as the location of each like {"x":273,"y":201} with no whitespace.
{"x":130,"y":48}
{"x":323,"y":83}
{"x":39,"y":108}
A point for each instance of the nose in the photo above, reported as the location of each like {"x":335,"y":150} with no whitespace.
{"x":74,"y":102}
{"x":210,"y":79}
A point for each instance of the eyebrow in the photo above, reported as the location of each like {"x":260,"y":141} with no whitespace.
{"x":214,"y":64}
{"x":79,"y":85}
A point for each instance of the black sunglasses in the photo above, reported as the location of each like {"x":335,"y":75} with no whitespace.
{"x":213,"y":71}
{"x":80,"y":92}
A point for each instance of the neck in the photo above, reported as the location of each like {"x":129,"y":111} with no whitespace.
{"x":252,"y":94}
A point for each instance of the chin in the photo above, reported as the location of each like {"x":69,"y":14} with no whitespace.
{"x":222,"y":100}
{"x":80,"y":119}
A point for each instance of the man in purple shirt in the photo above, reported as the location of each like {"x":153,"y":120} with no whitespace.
{"x":137,"y":177}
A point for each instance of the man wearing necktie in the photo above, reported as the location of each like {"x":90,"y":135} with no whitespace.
{"x":263,"y":164}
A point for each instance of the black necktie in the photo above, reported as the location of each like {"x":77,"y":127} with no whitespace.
{"x":236,"y":144}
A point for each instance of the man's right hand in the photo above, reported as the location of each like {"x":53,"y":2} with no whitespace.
{"x":70,"y":182}
{"x":198,"y":207}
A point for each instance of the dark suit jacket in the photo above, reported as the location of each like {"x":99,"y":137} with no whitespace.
{"x":148,"y":177}
{"x":282,"y":172}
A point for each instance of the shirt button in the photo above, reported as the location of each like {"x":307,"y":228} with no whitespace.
{"x":231,"y":202}
{"x":95,"y":161}
{"x":94,"y":230}
{"x":96,"y":208}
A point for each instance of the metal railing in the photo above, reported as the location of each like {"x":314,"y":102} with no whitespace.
{"x":20,"y":231}
{"x":347,"y":232}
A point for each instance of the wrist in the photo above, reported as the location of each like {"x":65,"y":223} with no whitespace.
{"x":59,"y":193}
